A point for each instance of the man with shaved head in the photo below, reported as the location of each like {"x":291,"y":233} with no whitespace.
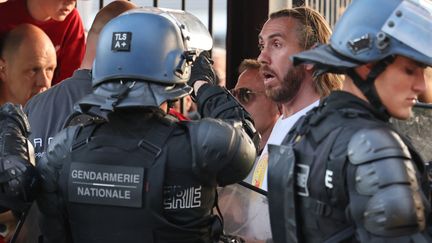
{"x":27,"y":64}
{"x":59,"y":19}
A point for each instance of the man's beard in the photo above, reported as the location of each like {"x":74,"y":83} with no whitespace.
{"x":290,"y":85}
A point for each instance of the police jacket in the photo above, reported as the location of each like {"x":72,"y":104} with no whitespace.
{"x":141,"y":177}
{"x":344,"y":175}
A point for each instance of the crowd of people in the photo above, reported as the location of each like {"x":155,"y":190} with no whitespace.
{"x":127,"y":134}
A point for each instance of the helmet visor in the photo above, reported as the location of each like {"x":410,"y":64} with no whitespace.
{"x":411,"y":24}
{"x":195,"y":34}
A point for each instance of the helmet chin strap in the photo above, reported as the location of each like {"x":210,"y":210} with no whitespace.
{"x":367,"y":86}
{"x":112,"y":101}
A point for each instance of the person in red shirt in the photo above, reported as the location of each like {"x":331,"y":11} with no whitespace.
{"x":60,"y":21}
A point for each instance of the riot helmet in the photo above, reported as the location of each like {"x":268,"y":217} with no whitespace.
{"x":144,"y":57}
{"x":370,"y":31}
{"x":374,"y":32}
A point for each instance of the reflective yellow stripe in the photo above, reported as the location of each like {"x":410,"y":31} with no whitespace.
{"x":260,"y":170}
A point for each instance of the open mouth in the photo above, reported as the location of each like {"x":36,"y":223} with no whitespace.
{"x":268,"y":77}
{"x":267,"y":74}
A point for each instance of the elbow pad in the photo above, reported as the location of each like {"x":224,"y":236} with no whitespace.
{"x":387,"y":200}
{"x":221,"y":152}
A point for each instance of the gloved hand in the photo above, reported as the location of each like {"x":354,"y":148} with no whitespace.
{"x":12,"y":116}
{"x":14,"y":129}
{"x":18,"y":177}
{"x":202,"y":69}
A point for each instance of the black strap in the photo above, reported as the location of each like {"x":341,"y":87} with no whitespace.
{"x":367,"y":86}
{"x":112,"y":101}
{"x":341,"y":235}
{"x":323,"y":209}
{"x":151,"y":145}
{"x":19,"y":225}
{"x":82,"y":135}
{"x":218,"y":220}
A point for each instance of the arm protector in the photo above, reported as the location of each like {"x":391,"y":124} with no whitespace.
{"x":216,"y":102}
{"x":18,"y":177}
{"x":220,"y":151}
{"x":385,"y":197}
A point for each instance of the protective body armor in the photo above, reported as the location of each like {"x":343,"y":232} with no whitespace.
{"x":130,"y":187}
{"x":334,"y":180}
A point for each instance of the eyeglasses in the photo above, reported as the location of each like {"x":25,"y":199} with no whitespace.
{"x":245,"y":95}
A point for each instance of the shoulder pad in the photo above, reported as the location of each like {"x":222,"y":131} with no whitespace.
{"x":372,"y":144}
{"x":394,"y":211}
{"x":221,"y":150}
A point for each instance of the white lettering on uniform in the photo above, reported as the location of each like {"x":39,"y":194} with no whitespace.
{"x":105,"y":176}
{"x":37,"y":142}
{"x":74,"y":174}
{"x":328,"y":179}
{"x":182,"y":198}
{"x":104,"y":193}
{"x":302,"y":179}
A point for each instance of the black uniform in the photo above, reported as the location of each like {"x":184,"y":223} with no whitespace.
{"x":343,"y":174}
{"x":141,"y":177}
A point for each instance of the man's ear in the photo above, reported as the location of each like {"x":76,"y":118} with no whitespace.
{"x":364,"y":70}
{"x":309,"y":66}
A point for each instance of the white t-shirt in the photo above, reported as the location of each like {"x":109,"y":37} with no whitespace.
{"x":280,"y":130}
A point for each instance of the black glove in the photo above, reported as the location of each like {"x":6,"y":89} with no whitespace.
{"x":18,"y":177}
{"x":202,"y":69}
{"x":12,"y":116}
{"x":14,"y":129}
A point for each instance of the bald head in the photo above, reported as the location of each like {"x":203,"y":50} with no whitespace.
{"x":104,"y":15}
{"x":109,"y":12}
{"x":23,"y":35}
{"x":27,"y":64}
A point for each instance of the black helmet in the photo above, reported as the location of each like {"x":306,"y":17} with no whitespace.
{"x":144,"y":56}
{"x":371,"y":31}
{"x":375,"y":31}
